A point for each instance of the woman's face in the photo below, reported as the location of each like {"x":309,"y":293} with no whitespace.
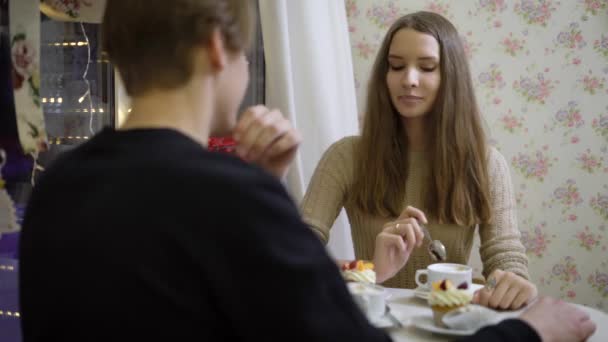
{"x":413,"y":76}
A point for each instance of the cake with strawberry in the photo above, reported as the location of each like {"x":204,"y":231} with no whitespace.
{"x":359,"y":271}
{"x":445,"y":297}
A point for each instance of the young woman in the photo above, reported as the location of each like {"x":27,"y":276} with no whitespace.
{"x":423,"y":146}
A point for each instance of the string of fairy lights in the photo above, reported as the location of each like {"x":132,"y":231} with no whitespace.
{"x":8,"y":313}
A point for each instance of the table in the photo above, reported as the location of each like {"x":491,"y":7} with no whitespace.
{"x":404,"y":305}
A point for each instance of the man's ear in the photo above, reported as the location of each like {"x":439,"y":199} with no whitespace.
{"x":217,"y":52}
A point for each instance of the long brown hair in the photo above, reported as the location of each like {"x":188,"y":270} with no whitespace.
{"x":457,"y":189}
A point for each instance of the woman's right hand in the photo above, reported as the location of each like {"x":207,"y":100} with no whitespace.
{"x":408,"y":226}
{"x":396,"y":241}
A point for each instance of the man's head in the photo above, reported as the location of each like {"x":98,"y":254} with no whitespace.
{"x":161,"y":45}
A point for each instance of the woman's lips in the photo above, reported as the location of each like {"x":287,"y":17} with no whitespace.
{"x":410,"y":99}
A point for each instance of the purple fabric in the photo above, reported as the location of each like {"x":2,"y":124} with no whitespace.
{"x":10,"y":329}
{"x":9,"y":245}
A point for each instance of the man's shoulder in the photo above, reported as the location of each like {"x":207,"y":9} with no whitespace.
{"x":220,"y":169}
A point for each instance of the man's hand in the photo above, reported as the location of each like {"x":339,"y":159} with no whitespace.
{"x":267,"y":138}
{"x":556,"y":321}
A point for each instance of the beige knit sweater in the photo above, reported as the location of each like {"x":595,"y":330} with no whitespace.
{"x":501,"y":247}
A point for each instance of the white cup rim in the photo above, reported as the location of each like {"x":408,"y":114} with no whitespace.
{"x":433,"y":267}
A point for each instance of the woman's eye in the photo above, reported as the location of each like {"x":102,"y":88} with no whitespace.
{"x":396,"y":67}
{"x":428,"y":69}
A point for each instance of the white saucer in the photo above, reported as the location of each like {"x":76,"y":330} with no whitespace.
{"x":426,"y":323}
{"x":423,"y":292}
{"x":384,"y":322}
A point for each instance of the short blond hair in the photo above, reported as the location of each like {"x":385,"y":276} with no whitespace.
{"x":151,"y":41}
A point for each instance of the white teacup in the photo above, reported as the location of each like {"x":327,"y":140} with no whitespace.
{"x":370,"y":298}
{"x":456,"y":273}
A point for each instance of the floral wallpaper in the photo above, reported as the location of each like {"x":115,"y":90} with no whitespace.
{"x":25,"y":74}
{"x":540,"y":70}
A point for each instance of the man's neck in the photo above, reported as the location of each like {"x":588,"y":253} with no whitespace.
{"x":187,"y":110}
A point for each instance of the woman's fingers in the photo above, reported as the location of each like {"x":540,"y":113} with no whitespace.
{"x":416,"y":213}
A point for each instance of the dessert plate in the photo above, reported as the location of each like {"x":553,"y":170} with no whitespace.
{"x":426,"y":323}
{"x":386,"y":322}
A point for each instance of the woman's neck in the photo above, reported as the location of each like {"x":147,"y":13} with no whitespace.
{"x":415,"y":132}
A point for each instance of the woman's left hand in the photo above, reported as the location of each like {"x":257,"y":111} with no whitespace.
{"x":505,"y":290}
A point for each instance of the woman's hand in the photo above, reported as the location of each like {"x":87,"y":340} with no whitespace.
{"x":396,"y":242}
{"x":505,"y":290}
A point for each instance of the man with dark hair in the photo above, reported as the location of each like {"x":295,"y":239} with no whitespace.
{"x":167,"y":241}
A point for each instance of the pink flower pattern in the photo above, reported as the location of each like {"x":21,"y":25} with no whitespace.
{"x":533,"y":166}
{"x":534,"y":90}
{"x":566,"y":272}
{"x":511,"y":123}
{"x":599,"y":203}
{"x":589,"y":162}
{"x":24,"y":69}
{"x":568,"y":118}
{"x":439,"y":7}
{"x":594,"y":7}
{"x":512,"y":46}
{"x":586,"y":239}
{"x":600,"y":125}
{"x":352,"y":10}
{"x":383,"y":15}
{"x":599,"y":282}
{"x":365,"y":49}
{"x":535,"y":11}
{"x":470,"y":47}
{"x":568,"y":195}
{"x":536,"y":240}
{"x":591,"y":84}
{"x":492,"y":79}
{"x":493,"y":6}
{"x":601,"y":45}
{"x":571,"y":38}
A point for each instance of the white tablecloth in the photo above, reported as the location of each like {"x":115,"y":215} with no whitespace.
{"x":404,"y":305}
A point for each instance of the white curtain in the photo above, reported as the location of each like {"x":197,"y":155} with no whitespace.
{"x":309,"y":76}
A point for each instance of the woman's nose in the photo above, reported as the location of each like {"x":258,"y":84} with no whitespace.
{"x":410,"y":78}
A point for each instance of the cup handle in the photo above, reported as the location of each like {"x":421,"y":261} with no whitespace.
{"x":418,"y":274}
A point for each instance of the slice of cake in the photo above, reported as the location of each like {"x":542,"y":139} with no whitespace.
{"x":359,"y":271}
{"x":445,"y":297}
